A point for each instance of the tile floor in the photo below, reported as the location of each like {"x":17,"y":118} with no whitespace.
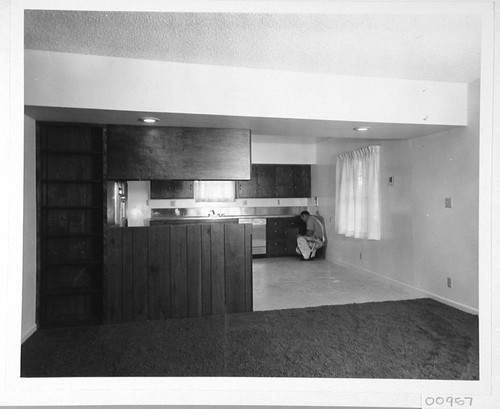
{"x":286,"y":282}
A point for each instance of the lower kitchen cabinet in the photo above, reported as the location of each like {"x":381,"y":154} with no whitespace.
{"x":276,"y":248}
{"x":177,"y":271}
{"x":281,"y":235}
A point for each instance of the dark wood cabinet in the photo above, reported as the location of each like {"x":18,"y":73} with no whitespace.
{"x":281,"y":234}
{"x":266,"y":182}
{"x":70,"y":217}
{"x":248,"y":188}
{"x":284,"y":180}
{"x":301,"y":181}
{"x":172,"y":189}
{"x":177,"y":271}
{"x":170,"y":153}
{"x":276,"y":181}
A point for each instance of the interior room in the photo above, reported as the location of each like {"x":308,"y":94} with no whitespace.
{"x":186,"y":227}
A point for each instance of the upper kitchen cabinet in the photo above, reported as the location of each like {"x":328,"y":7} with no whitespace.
{"x":301,"y":180}
{"x":284,"y":177}
{"x":273,"y":181}
{"x":172,"y":189}
{"x":248,"y":188}
{"x":152,"y":153}
{"x":266,"y":181}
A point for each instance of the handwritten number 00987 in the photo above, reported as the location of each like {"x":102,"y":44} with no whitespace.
{"x":448,"y":401}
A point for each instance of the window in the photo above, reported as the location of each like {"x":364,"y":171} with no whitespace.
{"x":214,"y":191}
{"x":357,"y":204}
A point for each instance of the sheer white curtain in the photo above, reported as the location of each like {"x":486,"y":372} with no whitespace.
{"x":357,"y":206}
{"x":214,"y":191}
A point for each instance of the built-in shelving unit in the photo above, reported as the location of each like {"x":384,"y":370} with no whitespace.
{"x":71,"y":214}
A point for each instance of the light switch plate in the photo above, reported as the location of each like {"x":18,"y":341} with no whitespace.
{"x":447,"y":202}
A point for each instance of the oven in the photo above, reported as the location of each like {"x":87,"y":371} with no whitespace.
{"x":258,"y":234}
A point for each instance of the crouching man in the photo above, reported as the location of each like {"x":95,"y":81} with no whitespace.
{"x":313,"y":239}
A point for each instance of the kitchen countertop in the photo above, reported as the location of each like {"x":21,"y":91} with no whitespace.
{"x":216,"y":218}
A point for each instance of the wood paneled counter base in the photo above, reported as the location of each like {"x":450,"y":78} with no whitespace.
{"x":177,"y":271}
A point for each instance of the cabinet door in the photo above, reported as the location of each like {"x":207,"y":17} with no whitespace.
{"x":248,"y":188}
{"x":266,"y":185}
{"x":291,"y":240}
{"x":161,"y":189}
{"x":275,"y":229}
{"x":276,"y":248}
{"x":156,"y":152}
{"x":302,"y":181}
{"x":183,"y":189}
{"x":284,"y":181}
{"x":171,"y":189}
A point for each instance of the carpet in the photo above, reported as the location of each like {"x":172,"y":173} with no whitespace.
{"x":413,"y":339}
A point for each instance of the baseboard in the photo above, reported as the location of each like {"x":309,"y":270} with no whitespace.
{"x":436,"y":297}
{"x":28,"y":333}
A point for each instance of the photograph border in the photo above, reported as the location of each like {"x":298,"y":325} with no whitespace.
{"x":237,"y":391}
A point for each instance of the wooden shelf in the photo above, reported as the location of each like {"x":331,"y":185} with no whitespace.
{"x":73,"y":263}
{"x":57,"y":324}
{"x":71,"y":213}
{"x":74,"y":291}
{"x":71,"y":207}
{"x":77,"y":153}
{"x":74,"y":181}
{"x":71,"y":236}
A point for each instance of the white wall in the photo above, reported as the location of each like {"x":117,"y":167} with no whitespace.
{"x":95,"y":82}
{"x":422,"y":242}
{"x":273,"y":149}
{"x":29,"y":231}
{"x":446,"y":240}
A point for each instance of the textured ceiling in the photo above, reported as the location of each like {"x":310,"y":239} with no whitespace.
{"x":424,"y":47}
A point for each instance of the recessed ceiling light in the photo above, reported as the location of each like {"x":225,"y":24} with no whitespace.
{"x":149,"y":120}
{"x":361,"y":129}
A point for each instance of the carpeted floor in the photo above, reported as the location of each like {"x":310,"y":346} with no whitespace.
{"x":414,"y":339}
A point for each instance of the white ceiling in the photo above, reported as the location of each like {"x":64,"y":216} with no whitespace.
{"x":443,"y":47}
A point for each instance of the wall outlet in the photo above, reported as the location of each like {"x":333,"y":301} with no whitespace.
{"x":172,"y":203}
{"x":448,"y":282}
{"x":279,"y":201}
{"x":447,"y":202}
{"x":245,"y":202}
{"x":391,"y":180}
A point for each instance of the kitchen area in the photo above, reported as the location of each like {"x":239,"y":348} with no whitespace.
{"x":184,"y":211}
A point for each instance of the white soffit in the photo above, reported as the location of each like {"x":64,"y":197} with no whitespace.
{"x":271,"y":129}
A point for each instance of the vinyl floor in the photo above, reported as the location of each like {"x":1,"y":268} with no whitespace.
{"x":286,"y":282}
